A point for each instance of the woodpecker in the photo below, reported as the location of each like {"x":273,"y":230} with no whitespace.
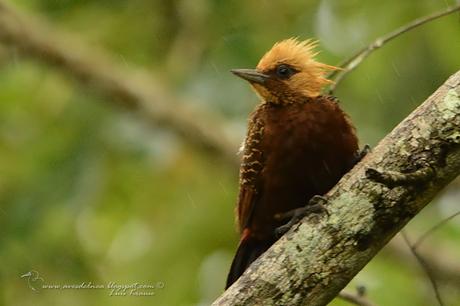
{"x":299,"y":144}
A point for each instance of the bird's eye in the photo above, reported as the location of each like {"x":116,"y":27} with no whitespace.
{"x":284,"y":71}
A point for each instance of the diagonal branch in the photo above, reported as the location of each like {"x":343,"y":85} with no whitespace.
{"x":316,"y":259}
{"x":425,"y":268}
{"x":425,"y":235}
{"x":441,"y":259}
{"x":355,"y":60}
{"x":135,"y":90}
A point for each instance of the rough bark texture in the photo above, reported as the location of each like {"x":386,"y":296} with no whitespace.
{"x":316,"y":259}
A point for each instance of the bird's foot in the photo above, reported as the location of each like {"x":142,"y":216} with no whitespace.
{"x":316,"y":205}
{"x":361,"y":153}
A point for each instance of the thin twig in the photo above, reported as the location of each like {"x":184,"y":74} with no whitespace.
{"x":355,"y":299}
{"x":425,"y":267}
{"x":355,"y":60}
{"x":442,"y":259}
{"x":434,"y":228}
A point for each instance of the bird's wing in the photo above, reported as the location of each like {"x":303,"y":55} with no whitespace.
{"x":250,"y":171}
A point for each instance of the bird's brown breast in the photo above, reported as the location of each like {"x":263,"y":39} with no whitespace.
{"x":293,"y":152}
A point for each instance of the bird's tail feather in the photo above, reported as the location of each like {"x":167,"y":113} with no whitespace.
{"x":249,"y":250}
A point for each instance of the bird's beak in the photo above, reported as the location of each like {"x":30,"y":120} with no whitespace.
{"x":250,"y":75}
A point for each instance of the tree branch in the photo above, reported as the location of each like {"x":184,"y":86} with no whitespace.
{"x":355,"y":60}
{"x":134,"y":90}
{"x":441,"y":258}
{"x":433,"y":229}
{"x":425,"y":268}
{"x":316,"y":259}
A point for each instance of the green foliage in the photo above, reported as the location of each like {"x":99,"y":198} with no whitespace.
{"x":90,"y":194}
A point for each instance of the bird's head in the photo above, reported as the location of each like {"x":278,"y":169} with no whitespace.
{"x":287,"y":72}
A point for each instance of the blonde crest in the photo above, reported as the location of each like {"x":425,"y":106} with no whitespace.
{"x":299,"y":55}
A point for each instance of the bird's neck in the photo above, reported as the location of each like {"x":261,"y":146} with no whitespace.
{"x":288,"y":99}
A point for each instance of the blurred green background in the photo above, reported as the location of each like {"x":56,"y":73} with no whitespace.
{"x":91,"y":193}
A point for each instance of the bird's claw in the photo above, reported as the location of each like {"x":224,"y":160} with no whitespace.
{"x":316,"y":205}
{"x":320,"y":201}
{"x":361,"y":153}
